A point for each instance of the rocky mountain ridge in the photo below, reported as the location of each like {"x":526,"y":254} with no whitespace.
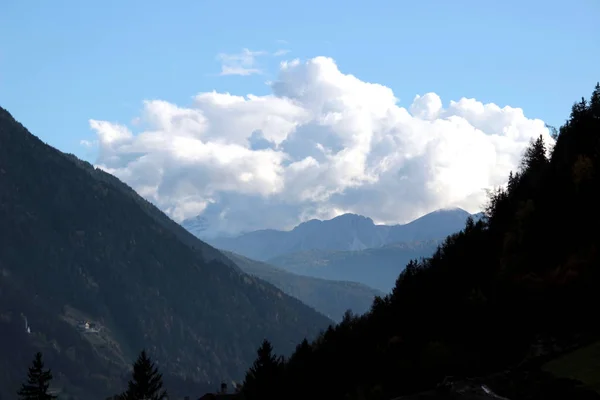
{"x":347,"y":232}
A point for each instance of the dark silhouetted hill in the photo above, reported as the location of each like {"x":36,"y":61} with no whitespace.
{"x":495,"y":302}
{"x":78,"y":245}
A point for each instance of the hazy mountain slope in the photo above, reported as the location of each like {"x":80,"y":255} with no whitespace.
{"x":378,"y":268}
{"x":329,"y":297}
{"x":203,"y":249}
{"x":435,"y":225}
{"x":343,"y":233}
{"x":79,"y":245}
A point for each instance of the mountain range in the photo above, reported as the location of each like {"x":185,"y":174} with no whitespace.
{"x":349,"y":247}
{"x":347,"y":232}
{"x":79,"y":246}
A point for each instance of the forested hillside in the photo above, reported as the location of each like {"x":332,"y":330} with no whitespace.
{"x":77,"y":245}
{"x":526,"y":274}
{"x":376,"y":267}
{"x":331,"y":298}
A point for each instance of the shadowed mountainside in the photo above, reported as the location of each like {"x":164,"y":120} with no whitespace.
{"x":79,"y":245}
{"x":498,"y":300}
{"x":329,"y":297}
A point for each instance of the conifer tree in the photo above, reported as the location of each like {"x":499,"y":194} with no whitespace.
{"x":595,"y":102}
{"x":535,"y":155}
{"x":512,"y":183}
{"x":146,"y":382}
{"x":265,"y":375}
{"x":38,"y":382}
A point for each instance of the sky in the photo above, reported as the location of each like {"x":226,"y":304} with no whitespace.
{"x":263,"y":114}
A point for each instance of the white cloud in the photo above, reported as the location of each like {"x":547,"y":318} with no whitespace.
{"x":281,"y":52}
{"x":321,"y":142}
{"x":243,"y":63}
{"x":88,"y":143}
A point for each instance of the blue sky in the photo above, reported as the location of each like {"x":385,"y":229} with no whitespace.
{"x":318,"y":142}
{"x":63,"y":62}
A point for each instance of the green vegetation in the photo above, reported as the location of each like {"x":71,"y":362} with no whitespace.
{"x":90,"y":271}
{"x":146,"y":382}
{"x":38,"y":382}
{"x":264,"y":379}
{"x":80,"y":246}
{"x":582,"y":364}
{"x":331,"y":298}
{"x":482,"y":301}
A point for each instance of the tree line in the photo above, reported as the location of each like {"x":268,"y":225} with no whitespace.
{"x":527,"y":271}
{"x":145,"y":383}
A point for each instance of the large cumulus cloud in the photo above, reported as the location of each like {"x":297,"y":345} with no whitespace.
{"x":322,"y":143}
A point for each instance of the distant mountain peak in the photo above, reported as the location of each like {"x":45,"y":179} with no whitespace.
{"x":352,"y":217}
{"x":198,"y":222}
{"x":450,"y":209}
{"x":347,"y":218}
{"x":348,"y":231}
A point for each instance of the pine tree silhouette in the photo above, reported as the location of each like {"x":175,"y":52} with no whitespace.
{"x":38,"y":382}
{"x":146,"y":382}
{"x":264,"y":377}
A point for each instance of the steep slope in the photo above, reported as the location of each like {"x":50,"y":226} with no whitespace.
{"x":78,"y":245}
{"x":348,"y":232}
{"x":500,"y":298}
{"x":377,"y":268}
{"x":330,"y":297}
{"x":435,"y":225}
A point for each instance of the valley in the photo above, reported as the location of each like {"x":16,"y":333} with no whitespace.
{"x":335,"y":249}
{"x":209,"y":200}
{"x":374,"y":267}
{"x":332,"y":298}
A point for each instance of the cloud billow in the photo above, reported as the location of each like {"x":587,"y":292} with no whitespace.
{"x":322,"y":143}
